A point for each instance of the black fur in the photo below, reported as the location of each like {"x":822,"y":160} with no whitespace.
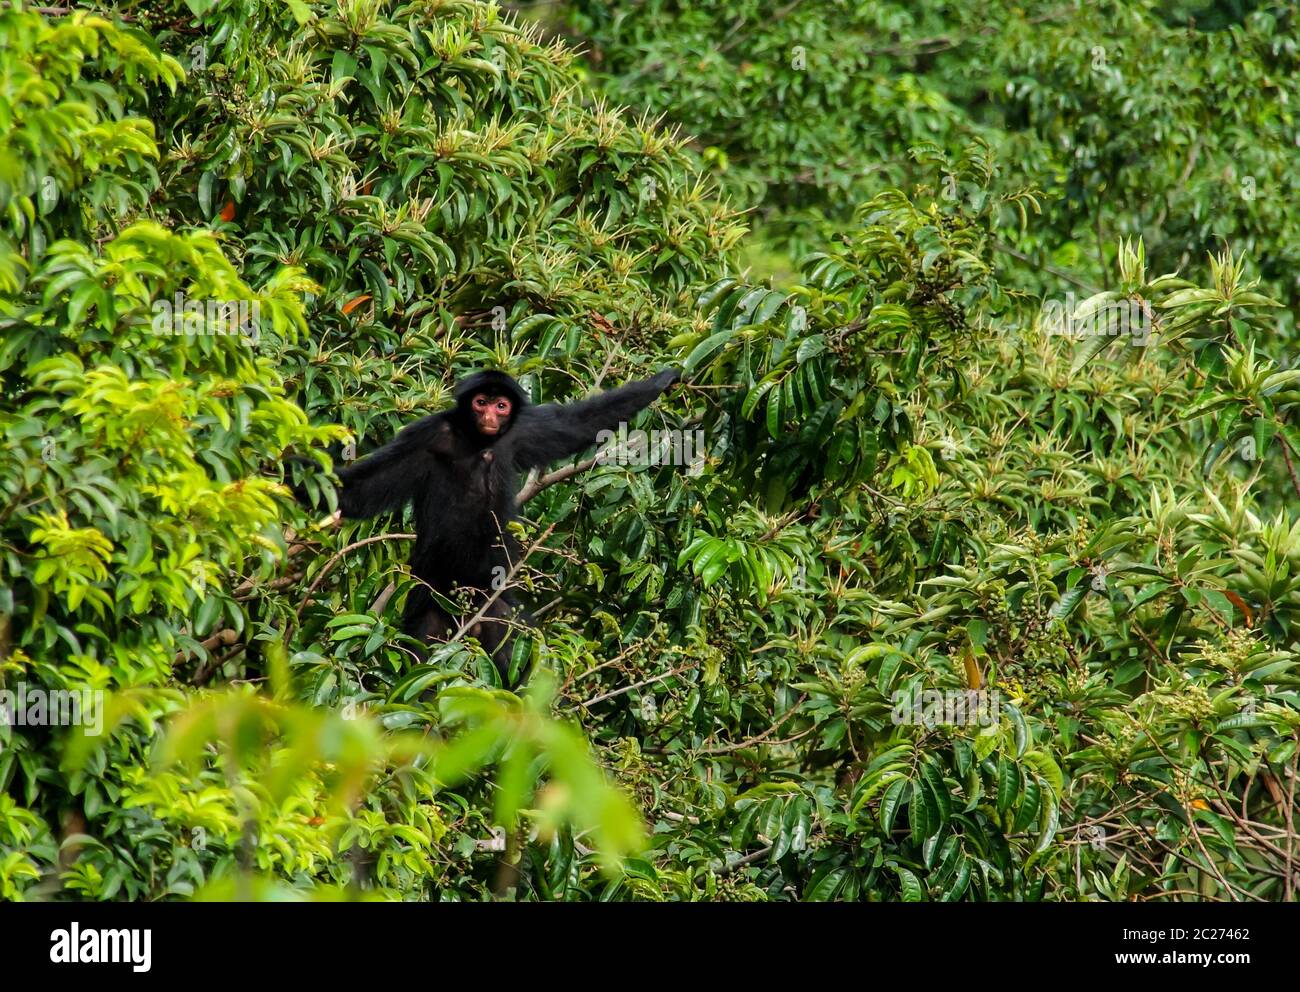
{"x":463,"y":485}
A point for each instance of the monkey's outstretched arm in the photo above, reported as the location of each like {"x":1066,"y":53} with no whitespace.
{"x":387,"y":478}
{"x":544,"y":434}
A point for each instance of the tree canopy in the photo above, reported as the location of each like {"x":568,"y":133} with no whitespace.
{"x":984,"y":588}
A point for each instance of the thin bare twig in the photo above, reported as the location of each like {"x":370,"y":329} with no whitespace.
{"x":635,"y":685}
{"x":500,"y":587}
{"x":748,"y":859}
{"x":726,"y":748}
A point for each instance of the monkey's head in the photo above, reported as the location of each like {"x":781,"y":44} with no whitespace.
{"x":488,"y":402}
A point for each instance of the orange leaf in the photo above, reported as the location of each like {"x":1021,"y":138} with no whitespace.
{"x":355,"y":302}
{"x":1240,"y":604}
{"x":599,"y":320}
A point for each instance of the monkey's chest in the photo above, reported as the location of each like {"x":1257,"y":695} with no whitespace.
{"x":462,"y":516}
{"x":469,"y":509}
{"x":478,"y":476}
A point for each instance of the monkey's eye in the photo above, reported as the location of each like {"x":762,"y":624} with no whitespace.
{"x":503,"y":407}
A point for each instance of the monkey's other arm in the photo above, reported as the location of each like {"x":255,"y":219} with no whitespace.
{"x":389,"y":477}
{"x":547,"y":433}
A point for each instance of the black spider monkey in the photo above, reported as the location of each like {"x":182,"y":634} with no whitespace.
{"x":461,"y":469}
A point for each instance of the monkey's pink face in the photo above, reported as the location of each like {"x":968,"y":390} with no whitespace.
{"x":491,"y":413}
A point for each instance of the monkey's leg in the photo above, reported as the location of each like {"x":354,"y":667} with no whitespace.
{"x":424,"y":620}
{"x":496,"y":633}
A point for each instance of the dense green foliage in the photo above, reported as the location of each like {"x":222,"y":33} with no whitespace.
{"x":913,"y":487}
{"x":1173,"y":122}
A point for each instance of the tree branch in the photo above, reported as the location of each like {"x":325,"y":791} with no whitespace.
{"x":536,"y":485}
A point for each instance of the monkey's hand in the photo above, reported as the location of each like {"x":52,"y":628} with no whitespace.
{"x":668,"y":378}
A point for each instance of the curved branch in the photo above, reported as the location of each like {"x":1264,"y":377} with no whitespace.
{"x":338,"y":556}
{"x":536,"y":485}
